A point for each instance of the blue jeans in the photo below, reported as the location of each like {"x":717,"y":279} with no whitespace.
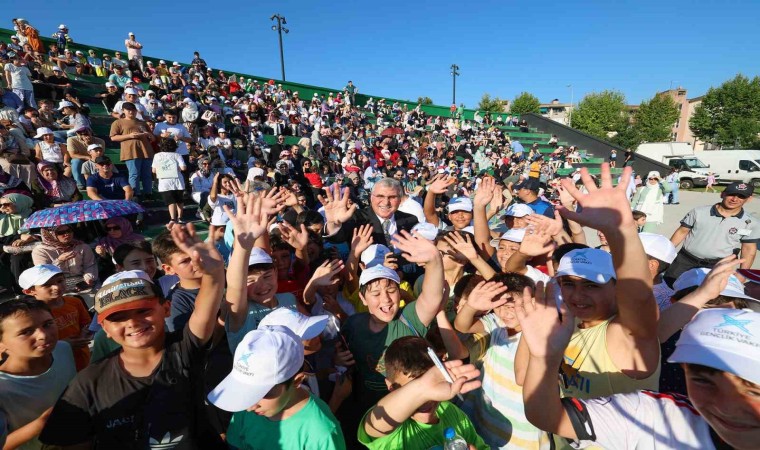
{"x":140,"y":170}
{"x":76,"y":171}
{"x":674,"y":192}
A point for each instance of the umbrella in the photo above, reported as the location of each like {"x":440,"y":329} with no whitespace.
{"x":82,"y":211}
{"x":392,"y":131}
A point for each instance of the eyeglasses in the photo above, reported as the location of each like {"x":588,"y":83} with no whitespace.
{"x":63,"y":232}
{"x":113,"y":228}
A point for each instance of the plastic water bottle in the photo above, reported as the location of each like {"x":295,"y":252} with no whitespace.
{"x":454,"y":441}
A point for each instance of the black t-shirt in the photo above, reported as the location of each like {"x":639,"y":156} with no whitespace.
{"x":115,"y":410}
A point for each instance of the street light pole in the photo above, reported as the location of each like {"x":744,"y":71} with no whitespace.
{"x":570,"y":114}
{"x":454,"y":74}
{"x":280,"y":29}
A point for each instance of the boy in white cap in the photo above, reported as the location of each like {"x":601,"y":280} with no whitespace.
{"x":458,"y":210}
{"x":46,"y":283}
{"x":35,"y":371}
{"x":719,"y":352}
{"x":369,"y":334}
{"x":144,"y":393}
{"x":660,"y":253}
{"x":270,"y":408}
{"x":614,"y":348}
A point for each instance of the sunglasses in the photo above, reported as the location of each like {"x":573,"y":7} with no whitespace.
{"x":113,"y":228}
{"x":63,"y":232}
{"x":741,"y":196}
{"x":5,"y":204}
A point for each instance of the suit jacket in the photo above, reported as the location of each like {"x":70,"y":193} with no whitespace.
{"x":365,"y":216}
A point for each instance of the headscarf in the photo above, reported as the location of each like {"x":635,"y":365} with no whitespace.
{"x":11,"y":223}
{"x":51,"y":240}
{"x":51,"y":188}
{"x":128,"y":236}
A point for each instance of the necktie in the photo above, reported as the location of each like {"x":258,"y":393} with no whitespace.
{"x":387,"y":232}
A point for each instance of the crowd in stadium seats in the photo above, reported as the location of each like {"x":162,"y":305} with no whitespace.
{"x":372,"y":275}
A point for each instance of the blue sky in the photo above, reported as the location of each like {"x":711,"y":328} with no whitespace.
{"x":404,"y":49}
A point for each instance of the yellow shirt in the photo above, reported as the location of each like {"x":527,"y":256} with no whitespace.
{"x":588,"y":371}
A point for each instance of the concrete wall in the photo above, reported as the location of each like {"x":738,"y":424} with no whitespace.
{"x":594,"y":146}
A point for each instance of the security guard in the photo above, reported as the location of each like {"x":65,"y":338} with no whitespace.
{"x":710,"y":233}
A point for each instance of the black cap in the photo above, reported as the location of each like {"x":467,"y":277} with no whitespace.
{"x":531,"y":183}
{"x":745,"y":189}
{"x":102,"y":160}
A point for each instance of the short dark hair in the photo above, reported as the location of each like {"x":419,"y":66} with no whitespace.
{"x":129,"y":106}
{"x":164,"y":247}
{"x":408,"y":356}
{"x":638,"y":214}
{"x":24,"y":305}
{"x":309,"y":217}
{"x":564,"y":249}
{"x":121,"y":252}
{"x":167,"y":145}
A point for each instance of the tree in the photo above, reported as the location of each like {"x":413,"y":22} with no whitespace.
{"x":492,"y":105}
{"x":601,"y":113}
{"x":729,"y":115}
{"x":525,"y":103}
{"x":424,"y":101}
{"x":654,"y":119}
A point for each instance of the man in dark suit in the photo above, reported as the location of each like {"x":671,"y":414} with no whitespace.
{"x":342,"y":218}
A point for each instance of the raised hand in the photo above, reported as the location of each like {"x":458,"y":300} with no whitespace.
{"x":336,"y":203}
{"x":543,"y":330}
{"x":440,"y":184}
{"x":249,"y":223}
{"x":485,"y":192}
{"x":717,"y":278}
{"x":482,"y":297}
{"x":605,"y":208}
{"x":415,"y":249}
{"x":435,"y":387}
{"x":498,"y":201}
{"x":537,"y":240}
{"x":324,"y":274}
{"x":290,"y":197}
{"x":204,"y":256}
{"x":273,"y":202}
{"x":552,"y":226}
{"x":361,"y":240}
{"x":297,"y":238}
{"x":461,"y":244}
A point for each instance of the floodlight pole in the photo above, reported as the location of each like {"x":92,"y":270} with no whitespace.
{"x":279,"y":29}
{"x":454,"y":74}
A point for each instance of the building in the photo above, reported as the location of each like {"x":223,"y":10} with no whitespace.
{"x":556,"y":111}
{"x":681,"y":127}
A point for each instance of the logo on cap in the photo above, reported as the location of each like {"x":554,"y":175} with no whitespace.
{"x":729,"y":321}
{"x":742,"y":186}
{"x":242,"y":363}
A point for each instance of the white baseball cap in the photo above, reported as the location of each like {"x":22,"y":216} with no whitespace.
{"x":37,"y":275}
{"x":588,"y":263}
{"x":518,"y":210}
{"x":426,"y":230}
{"x":109,"y":84}
{"x":64,"y":104}
{"x":459,"y":204}
{"x":658,"y":246}
{"x":305,"y":327}
{"x":374,"y":255}
{"x":94,"y":146}
{"x":695,"y":277}
{"x":723,"y":339}
{"x":514,"y":235}
{"x":259,"y":256}
{"x":221,"y":130}
{"x":131,"y":91}
{"x":42,"y":131}
{"x":377,"y":272}
{"x":263,"y":359}
{"x":127,"y":275}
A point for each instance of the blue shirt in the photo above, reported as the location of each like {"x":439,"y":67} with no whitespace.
{"x":111,"y":189}
{"x":12,"y":100}
{"x":517,"y":147}
{"x":542,"y":207}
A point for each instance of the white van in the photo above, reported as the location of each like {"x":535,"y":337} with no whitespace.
{"x":733,"y":165}
{"x":680,"y":155}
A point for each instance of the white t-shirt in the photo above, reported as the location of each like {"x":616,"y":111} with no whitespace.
{"x":168,"y":168}
{"x":646,"y":420}
{"x":218,"y":206}
{"x":24,"y":398}
{"x":176,"y":130}
{"x":140,"y":109}
{"x":21,"y":78}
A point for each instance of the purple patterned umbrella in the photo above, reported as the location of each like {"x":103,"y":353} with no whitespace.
{"x":82,"y":211}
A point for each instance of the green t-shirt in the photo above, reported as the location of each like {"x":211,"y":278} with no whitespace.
{"x":313,"y":427}
{"x":102,"y":346}
{"x":412,"y":435}
{"x":368,"y":348}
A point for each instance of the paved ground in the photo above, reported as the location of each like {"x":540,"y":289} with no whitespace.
{"x":688,"y":200}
